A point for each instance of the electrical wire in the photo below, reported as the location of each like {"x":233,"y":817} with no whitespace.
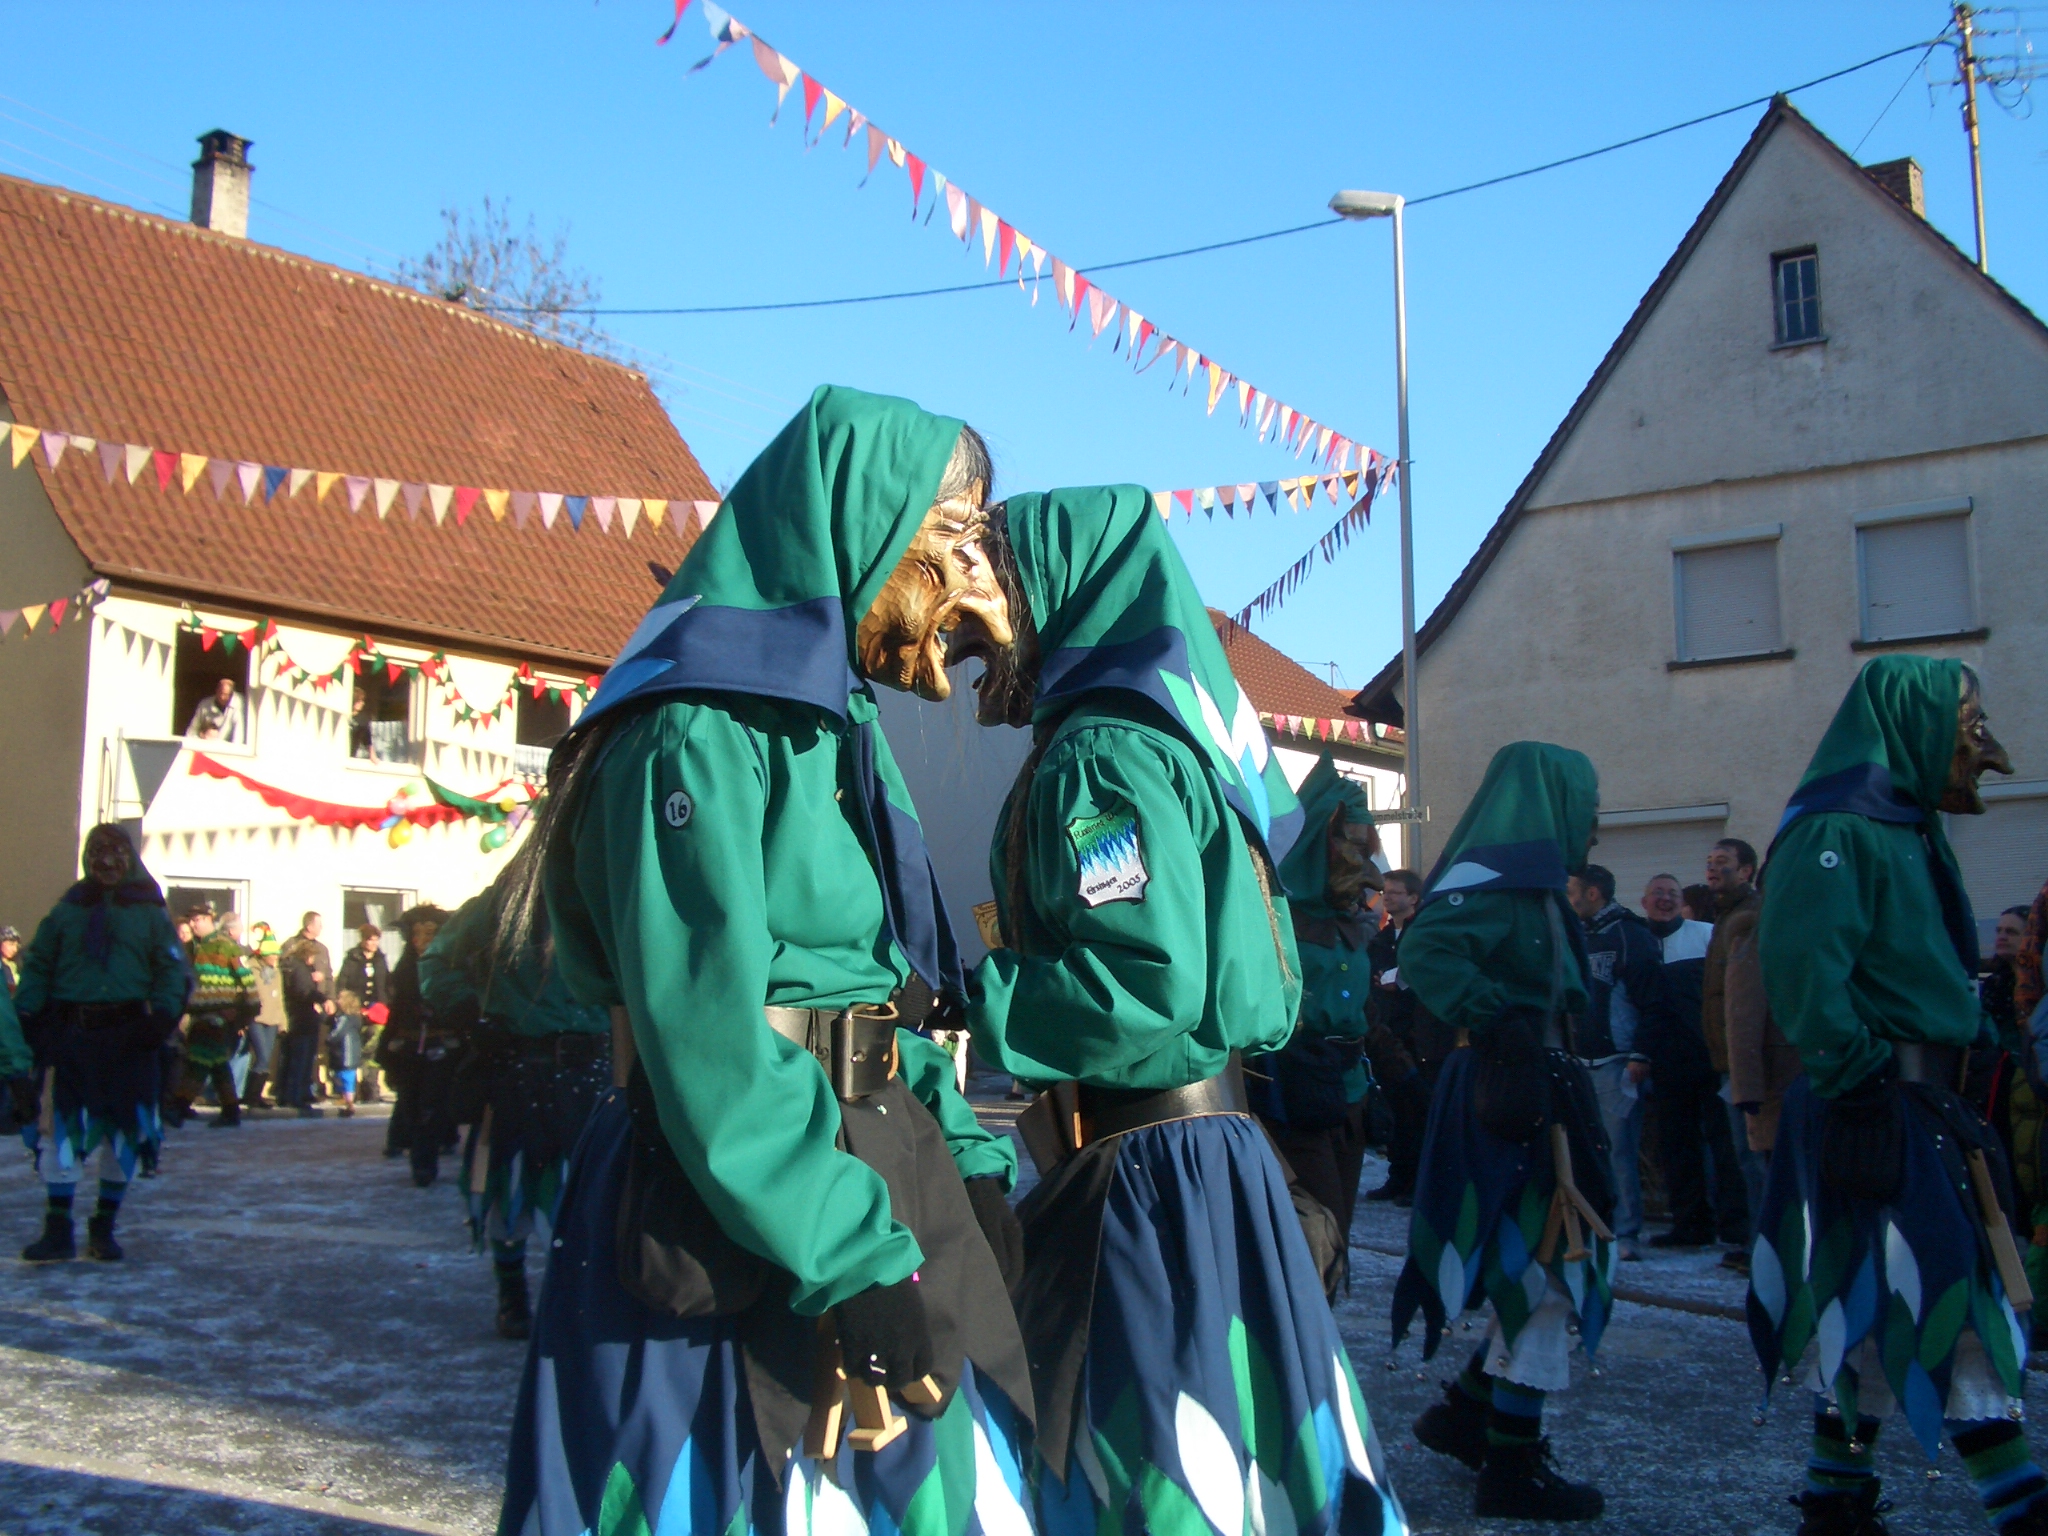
{"x":1918,"y":65}
{"x":1272,"y":234}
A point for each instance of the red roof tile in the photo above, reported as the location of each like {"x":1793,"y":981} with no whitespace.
{"x":1273,"y":681}
{"x":135,"y":329}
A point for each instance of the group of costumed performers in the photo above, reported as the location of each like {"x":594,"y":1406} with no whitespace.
{"x":419,"y":1055}
{"x":1512,"y":1202}
{"x":1315,"y":1088}
{"x":223,"y":1003}
{"x":537,"y":1061}
{"x":1885,"y":1238}
{"x":103,"y":984}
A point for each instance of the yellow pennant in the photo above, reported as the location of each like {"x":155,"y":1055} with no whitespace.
{"x":497,"y":501}
{"x":30,"y":615}
{"x":656,"y":508}
{"x":21,"y":439}
{"x":833,"y":107}
{"x":324,"y":481}
{"x":190,"y":467}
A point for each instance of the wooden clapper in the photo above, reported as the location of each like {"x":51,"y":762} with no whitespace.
{"x":875,"y":1421}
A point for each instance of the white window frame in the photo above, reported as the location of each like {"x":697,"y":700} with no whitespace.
{"x":1941,"y":509}
{"x":416,"y":733}
{"x":1772,"y":534}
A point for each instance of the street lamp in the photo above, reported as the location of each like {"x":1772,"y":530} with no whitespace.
{"x":1384,"y":205}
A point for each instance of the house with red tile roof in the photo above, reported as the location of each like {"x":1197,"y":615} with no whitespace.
{"x":403,"y":532}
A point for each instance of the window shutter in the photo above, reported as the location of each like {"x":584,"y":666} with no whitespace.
{"x":1728,"y":601}
{"x":1916,"y":578}
{"x":1636,"y":853}
{"x":2003,"y":854}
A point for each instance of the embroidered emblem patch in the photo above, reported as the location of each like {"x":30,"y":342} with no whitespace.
{"x":1111,"y":856}
{"x":676,"y":809}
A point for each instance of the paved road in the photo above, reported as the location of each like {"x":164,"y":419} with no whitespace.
{"x":300,"y":1341}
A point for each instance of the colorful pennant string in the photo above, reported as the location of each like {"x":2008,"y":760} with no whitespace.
{"x":1077,"y":295}
{"x":282,"y":483}
{"x":1329,"y":546}
{"x":56,"y":610}
{"x":1317,"y":728}
{"x":503,"y":809}
{"x":1298,"y":491}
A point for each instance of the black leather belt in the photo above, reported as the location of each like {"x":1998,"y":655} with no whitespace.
{"x":1113,"y":1111}
{"x":856,"y":1046}
{"x":565,"y":1048}
{"x":103,"y":1015}
{"x":1941,"y":1065}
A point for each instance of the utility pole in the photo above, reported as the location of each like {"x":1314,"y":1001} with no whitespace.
{"x":1966,"y":56}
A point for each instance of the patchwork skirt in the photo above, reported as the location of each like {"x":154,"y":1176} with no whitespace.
{"x":102,"y":1093}
{"x":633,"y":1422}
{"x":517,"y":1152}
{"x":1481,"y":1222}
{"x":1900,"y":1303}
{"x":1187,"y":1367}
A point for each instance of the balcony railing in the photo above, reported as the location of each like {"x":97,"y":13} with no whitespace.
{"x":531,"y":762}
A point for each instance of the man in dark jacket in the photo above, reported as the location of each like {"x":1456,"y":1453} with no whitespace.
{"x":1731,"y":875}
{"x":308,"y":1001}
{"x":418,"y":1053}
{"x":1628,"y":1011}
{"x":1392,"y":1014}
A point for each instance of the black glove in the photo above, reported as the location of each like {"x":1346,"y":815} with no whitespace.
{"x":1863,"y":1138}
{"x":153,"y":1029}
{"x":1000,"y":1226}
{"x":23,"y":1102}
{"x":1511,"y":1093}
{"x":884,"y":1337}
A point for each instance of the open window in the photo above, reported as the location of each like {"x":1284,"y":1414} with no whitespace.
{"x":539,"y":724}
{"x":383,"y":718}
{"x":209,"y":689}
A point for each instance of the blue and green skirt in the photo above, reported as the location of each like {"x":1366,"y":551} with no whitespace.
{"x":632,"y":1422}
{"x":517,"y":1154}
{"x":1189,"y":1374}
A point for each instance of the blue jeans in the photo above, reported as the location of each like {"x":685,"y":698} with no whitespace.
{"x":1754,"y":1164}
{"x":1622,"y":1114}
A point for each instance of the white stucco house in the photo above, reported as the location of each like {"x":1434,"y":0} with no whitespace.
{"x":1822,"y":435}
{"x":381,"y":490}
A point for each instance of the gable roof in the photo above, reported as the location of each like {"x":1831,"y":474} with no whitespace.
{"x":1275,"y":682}
{"x":1380,"y":699}
{"x":137,"y":329}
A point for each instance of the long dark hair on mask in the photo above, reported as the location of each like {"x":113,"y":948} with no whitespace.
{"x":522,"y":914}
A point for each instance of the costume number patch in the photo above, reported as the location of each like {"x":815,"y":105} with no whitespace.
{"x":676,"y":809}
{"x":1111,"y":856}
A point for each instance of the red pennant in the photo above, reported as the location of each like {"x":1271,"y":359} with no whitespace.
{"x":166,"y":465}
{"x":1081,"y":287}
{"x":391,"y":671}
{"x":465,"y":498}
{"x":1187,"y":502}
{"x":681,"y":6}
{"x":1006,"y":246}
{"x":813,"y":94}
{"x":916,"y":168}
{"x":207,"y":635}
{"x":57,"y":611}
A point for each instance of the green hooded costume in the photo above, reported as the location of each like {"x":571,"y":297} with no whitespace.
{"x":528,"y":995}
{"x":1335,"y":981}
{"x":1866,"y":932}
{"x":1141,"y":948}
{"x":729,"y":853}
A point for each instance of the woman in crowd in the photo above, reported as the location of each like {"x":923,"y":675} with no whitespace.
{"x":269,"y":1022}
{"x":362,"y":982}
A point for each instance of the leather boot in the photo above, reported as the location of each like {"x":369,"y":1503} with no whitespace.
{"x":99,"y":1239}
{"x":56,"y":1244}
{"x":1846,"y":1514}
{"x":515,"y":1316}
{"x":1455,"y":1427}
{"x":1521,"y":1482}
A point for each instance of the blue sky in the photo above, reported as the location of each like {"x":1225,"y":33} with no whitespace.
{"x":1105,"y":131}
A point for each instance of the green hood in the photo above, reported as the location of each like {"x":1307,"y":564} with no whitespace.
{"x":1529,"y":826}
{"x":1116,"y":608}
{"x":1886,"y":755}
{"x":1326,"y":797}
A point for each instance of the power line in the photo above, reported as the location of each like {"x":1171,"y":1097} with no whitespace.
{"x":1271,"y":234}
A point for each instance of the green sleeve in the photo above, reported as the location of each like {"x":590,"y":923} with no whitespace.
{"x":682,"y":913}
{"x":977,"y":1152}
{"x":1336,"y":984}
{"x":1445,"y":954}
{"x":445,"y":980}
{"x":1129,"y":977}
{"x":16,"y":1060}
{"x":1819,"y":912}
{"x":170,"y":983}
{"x":38,"y":968}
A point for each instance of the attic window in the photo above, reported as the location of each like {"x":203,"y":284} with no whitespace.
{"x":1795,"y":291}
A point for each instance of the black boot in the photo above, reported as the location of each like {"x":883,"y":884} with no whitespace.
{"x":1521,"y":1482}
{"x":1850,"y":1514}
{"x":515,"y":1316}
{"x":99,"y":1238}
{"x":1455,"y":1427}
{"x":56,"y":1244}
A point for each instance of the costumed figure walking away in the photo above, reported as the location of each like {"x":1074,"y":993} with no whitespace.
{"x":1512,"y":1201}
{"x":224,"y":1000}
{"x":788,"y":1186}
{"x":418,"y":1056}
{"x":102,"y":986}
{"x":1314,"y":1095}
{"x":1186,"y":1365}
{"x":1884,"y":1239}
{"x":541,"y":1060}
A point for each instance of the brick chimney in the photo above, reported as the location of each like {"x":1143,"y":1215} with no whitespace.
{"x":1901,"y":178}
{"x":220,"y":184}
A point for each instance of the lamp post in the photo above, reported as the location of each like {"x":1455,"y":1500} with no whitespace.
{"x":1384,"y":205}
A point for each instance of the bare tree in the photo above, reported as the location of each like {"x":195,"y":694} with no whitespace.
{"x":485,"y":262}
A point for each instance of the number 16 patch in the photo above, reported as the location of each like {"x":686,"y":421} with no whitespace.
{"x":1111,"y":856}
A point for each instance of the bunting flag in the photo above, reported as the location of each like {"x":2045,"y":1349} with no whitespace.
{"x":366,"y":653}
{"x":1313,"y":728}
{"x":56,"y":610}
{"x":1300,"y":491}
{"x":1077,"y":295}
{"x":502,"y":808}
{"x":1329,"y":546}
{"x":276,"y":485}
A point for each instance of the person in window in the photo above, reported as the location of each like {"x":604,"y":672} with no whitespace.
{"x":103,"y":984}
{"x":1170,"y":1299}
{"x":219,"y":715}
{"x":361,"y":740}
{"x":1874,"y":1238}
{"x":362,"y":983}
{"x":732,"y":866}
